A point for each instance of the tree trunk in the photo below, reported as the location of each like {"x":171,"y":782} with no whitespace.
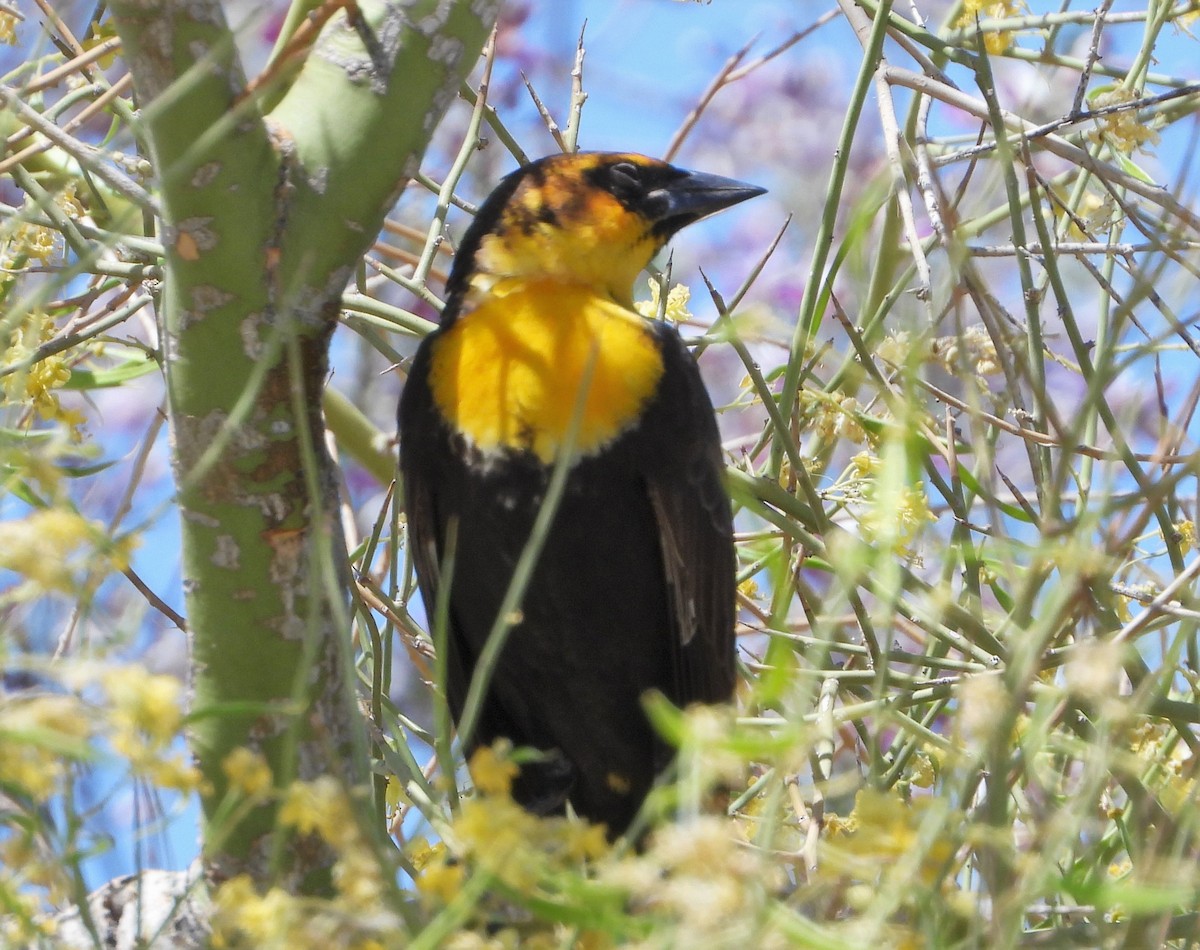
{"x":264,"y":217}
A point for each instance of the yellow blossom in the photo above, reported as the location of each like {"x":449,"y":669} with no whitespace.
{"x":972,"y":348}
{"x":1146,"y":739}
{"x":1187,"y":533}
{"x":831,"y":415}
{"x":982,"y":698}
{"x":421,"y":854}
{"x":1076,"y":556}
{"x":37,"y":383}
{"x":145,"y":702}
{"x":323,"y":807}
{"x":865,"y":464}
{"x":785,"y":474}
{"x":301,"y":808}
{"x":442,"y":880}
{"x":36,"y":460}
{"x":319,"y":806}
{"x":39,"y":736}
{"x":699,"y":873}
{"x":924,"y":773}
{"x":994,"y":41}
{"x":395,"y":795}
{"x":177,"y":774}
{"x":357,"y":879}
{"x":897,"y":515}
{"x":31,"y":241}
{"x":243,"y":917}
{"x":887,"y":828}
{"x":100,"y":33}
{"x":491,"y":771}
{"x":749,"y":589}
{"x":8,"y":28}
{"x":146,"y":717}
{"x":1094,"y":671}
{"x":1122,"y":131}
{"x":48,"y":546}
{"x":586,"y":842}
{"x":676,"y":310}
{"x":247,"y":771}
{"x":1178,"y":795}
{"x":492,"y":832}
{"x":896,"y":348}
{"x":41,"y":378}
{"x":1095,"y":213}
{"x":499,"y":834}
{"x":149,"y":759}
{"x":21,"y":924}
{"x":68,"y":200}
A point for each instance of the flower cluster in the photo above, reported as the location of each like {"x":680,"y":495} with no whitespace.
{"x":496,"y":837}
{"x":896,"y":515}
{"x":1122,"y":131}
{"x":8,"y":28}
{"x":355,"y":917}
{"x":146,"y":715}
{"x":48,"y":734}
{"x":973,"y":347}
{"x":830,"y":415}
{"x":49,"y":547}
{"x":994,"y":41}
{"x":673,"y":311}
{"x":40,"y":736}
{"x":37,"y":382}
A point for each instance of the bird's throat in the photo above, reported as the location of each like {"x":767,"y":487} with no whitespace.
{"x":530,"y":359}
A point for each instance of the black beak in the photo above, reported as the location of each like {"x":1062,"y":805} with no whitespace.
{"x":693,"y":196}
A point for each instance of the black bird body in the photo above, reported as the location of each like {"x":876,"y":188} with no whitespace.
{"x":634,"y":588}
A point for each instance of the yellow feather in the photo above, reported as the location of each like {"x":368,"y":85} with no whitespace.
{"x":508,"y":373}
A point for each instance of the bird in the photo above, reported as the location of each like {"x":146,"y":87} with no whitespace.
{"x":540,"y":352}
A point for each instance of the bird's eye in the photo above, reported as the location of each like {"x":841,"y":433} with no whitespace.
{"x":625,"y":174}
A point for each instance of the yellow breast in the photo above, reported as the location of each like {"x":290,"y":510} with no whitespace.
{"x":510,"y":373}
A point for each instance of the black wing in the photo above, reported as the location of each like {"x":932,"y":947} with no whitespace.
{"x":437,"y":486}
{"x":684,"y":475}
{"x":422,"y":440}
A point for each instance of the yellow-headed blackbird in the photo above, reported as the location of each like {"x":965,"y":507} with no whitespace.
{"x":634,"y":588}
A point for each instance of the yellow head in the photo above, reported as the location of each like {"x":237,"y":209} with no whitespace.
{"x":591,"y":219}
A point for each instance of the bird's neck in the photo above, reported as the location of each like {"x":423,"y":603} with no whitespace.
{"x":525,"y":358}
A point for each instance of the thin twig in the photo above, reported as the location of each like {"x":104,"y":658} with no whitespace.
{"x":73,"y":65}
{"x":154,"y":600}
{"x":1052,"y":143}
{"x":1093,"y":55}
{"x":1042,"y":438}
{"x":470,"y":143}
{"x":719,"y":81}
{"x":578,"y":97}
{"x":98,"y":105}
{"x":93,"y":159}
{"x":547,"y":118}
{"x":63,"y":30}
{"x":892,"y":141}
{"x":297,"y":46}
{"x":1154,"y":608}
